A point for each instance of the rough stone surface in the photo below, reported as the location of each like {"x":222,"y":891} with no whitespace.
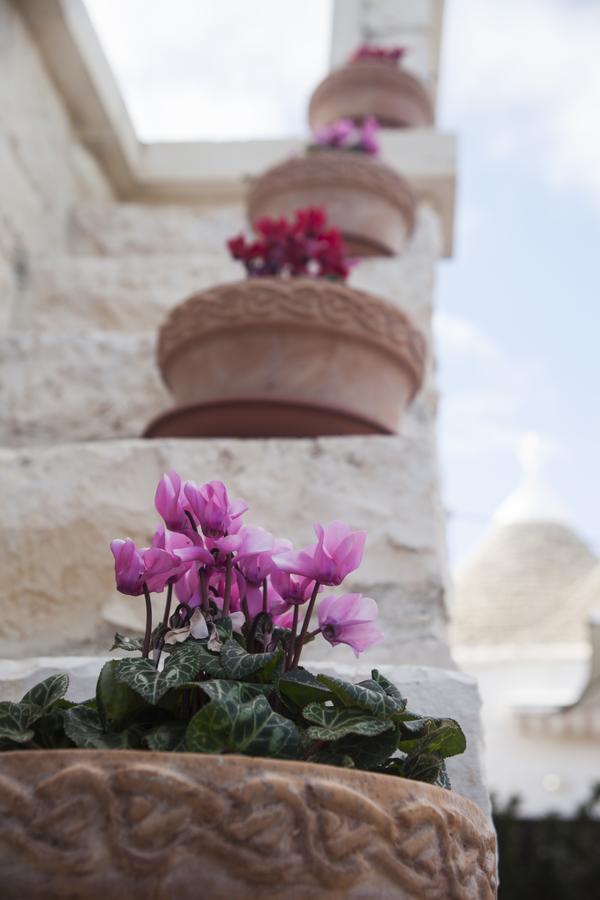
{"x":63,"y":505}
{"x":85,"y":386}
{"x":134,"y":291}
{"x":97,"y":386}
{"x":434,"y":691}
{"x":44,"y":169}
{"x":162,"y":824}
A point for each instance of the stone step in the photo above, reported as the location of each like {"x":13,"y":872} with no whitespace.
{"x":435,"y":691}
{"x":87,"y":385}
{"x":135,"y":293}
{"x":63,"y":505}
{"x":128,"y":228}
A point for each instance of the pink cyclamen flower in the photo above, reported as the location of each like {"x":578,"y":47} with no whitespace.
{"x":367,"y":136}
{"x":294,"y":589}
{"x":348,"y":619}
{"x":170,"y":502}
{"x":337,"y":134}
{"x":188,"y":548}
{"x":212,"y":508}
{"x":338,"y":552}
{"x":130,"y":571}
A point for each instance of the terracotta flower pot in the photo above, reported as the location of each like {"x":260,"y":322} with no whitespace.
{"x":296,"y":347}
{"x":372,"y":206}
{"x":91,"y":824}
{"x":369,"y":88}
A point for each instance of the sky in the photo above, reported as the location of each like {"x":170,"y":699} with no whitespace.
{"x":517,"y":317}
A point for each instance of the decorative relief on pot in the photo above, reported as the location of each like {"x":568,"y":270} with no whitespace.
{"x":297,"y":303}
{"x":366,"y":200}
{"x":314,"y":344}
{"x":79,"y":823}
{"x":366,"y":88}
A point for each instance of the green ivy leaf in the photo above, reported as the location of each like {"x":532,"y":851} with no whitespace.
{"x":390,"y":689}
{"x":219,"y":688}
{"x":169,"y":736}
{"x":116,"y":702}
{"x":368,"y":752}
{"x":440,"y":736}
{"x":48,"y":691}
{"x":301,"y":687}
{"x":327,"y":756}
{"x":238,"y":663}
{"x":333,"y":724}
{"x":252,"y":728}
{"x":427,"y":767}
{"x":83,"y":726}
{"x":50,"y":728}
{"x":16,"y":720}
{"x":368,"y":695}
{"x":122,"y":642}
{"x":141,"y":676}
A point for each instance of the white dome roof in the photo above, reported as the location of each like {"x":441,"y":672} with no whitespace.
{"x":533,"y":579}
{"x":520,"y":584}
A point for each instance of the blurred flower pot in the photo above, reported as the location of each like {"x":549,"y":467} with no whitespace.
{"x":92,"y":823}
{"x":371,"y":88}
{"x":372,"y":206}
{"x":313,"y":356}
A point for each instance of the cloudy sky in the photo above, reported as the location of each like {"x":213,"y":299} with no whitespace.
{"x":518,"y":323}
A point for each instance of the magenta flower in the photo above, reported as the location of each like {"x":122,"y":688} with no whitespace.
{"x":130,"y":570}
{"x":293,"y":589}
{"x":187,"y":588}
{"x":186,"y":547}
{"x":170,"y":502}
{"x":367,"y":136}
{"x":338,"y":134}
{"x":348,"y":619}
{"x":254,"y":557}
{"x":162,"y":568}
{"x":212,"y":508}
{"x":338,"y":552}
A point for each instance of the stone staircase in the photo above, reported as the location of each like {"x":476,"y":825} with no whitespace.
{"x":78,"y":384}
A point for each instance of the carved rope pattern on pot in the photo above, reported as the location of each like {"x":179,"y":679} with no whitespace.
{"x":378,"y":76}
{"x":299,"y":303}
{"x":326,"y":169}
{"x":147,"y":819}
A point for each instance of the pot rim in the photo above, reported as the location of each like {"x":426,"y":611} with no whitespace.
{"x":294,"y":302}
{"x":328,"y":167}
{"x":221,"y":759}
{"x":385,"y":76}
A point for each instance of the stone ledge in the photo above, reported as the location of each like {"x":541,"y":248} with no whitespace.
{"x":56,"y":388}
{"x":63,"y":505}
{"x":133,"y":293}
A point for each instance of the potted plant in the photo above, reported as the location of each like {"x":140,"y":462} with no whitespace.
{"x":371,"y":205}
{"x":372,"y":83}
{"x":291,"y":351}
{"x":211,"y":763}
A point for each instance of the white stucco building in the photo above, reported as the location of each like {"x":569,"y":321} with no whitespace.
{"x":526,"y":626}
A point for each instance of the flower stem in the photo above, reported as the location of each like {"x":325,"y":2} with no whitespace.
{"x":203,"y":588}
{"x":167,"y":606}
{"x":265,"y":596}
{"x":300,"y":641}
{"x":292,"y":647}
{"x":148,"y":634}
{"x":227,"y":592}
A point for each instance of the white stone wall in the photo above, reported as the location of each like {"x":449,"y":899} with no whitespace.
{"x":44,"y":170}
{"x":63,"y":505}
{"x":86,"y":320}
